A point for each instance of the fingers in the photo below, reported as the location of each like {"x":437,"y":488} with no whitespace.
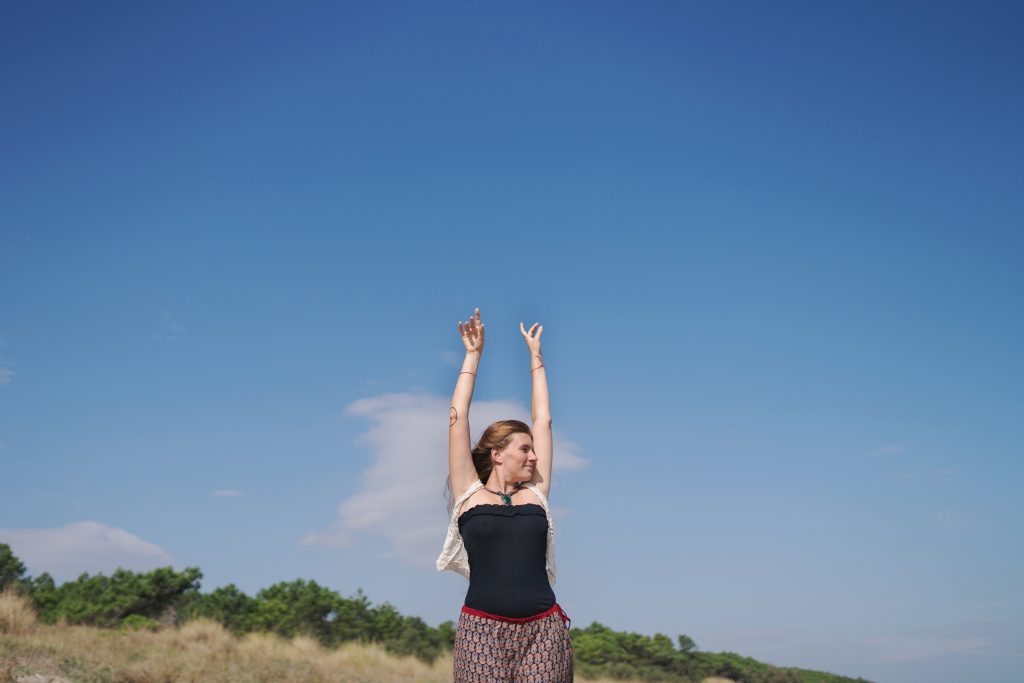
{"x":529,"y":335}
{"x":473,"y":327}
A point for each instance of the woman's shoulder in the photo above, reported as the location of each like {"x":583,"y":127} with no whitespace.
{"x":540,"y":492}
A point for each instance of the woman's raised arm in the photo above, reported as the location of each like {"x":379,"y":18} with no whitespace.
{"x":461,"y":471}
{"x":540,"y":408}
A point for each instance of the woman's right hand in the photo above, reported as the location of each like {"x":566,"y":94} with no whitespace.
{"x":472,"y":334}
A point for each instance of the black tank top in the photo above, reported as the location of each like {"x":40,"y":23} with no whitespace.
{"x":507,"y":548}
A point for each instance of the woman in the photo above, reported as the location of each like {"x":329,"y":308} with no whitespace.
{"x":501,"y":535}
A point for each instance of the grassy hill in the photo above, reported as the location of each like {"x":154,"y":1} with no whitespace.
{"x":158,"y":626}
{"x":198,"y":651}
{"x":204,"y":651}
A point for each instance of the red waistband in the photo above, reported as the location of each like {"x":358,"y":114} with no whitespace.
{"x":520,"y":620}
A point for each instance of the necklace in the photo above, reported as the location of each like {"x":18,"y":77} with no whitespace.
{"x":506,"y":498}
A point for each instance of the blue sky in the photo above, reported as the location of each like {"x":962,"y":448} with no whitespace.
{"x":776,"y":250}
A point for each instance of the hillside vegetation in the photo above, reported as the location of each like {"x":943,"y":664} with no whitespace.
{"x":157,"y":626}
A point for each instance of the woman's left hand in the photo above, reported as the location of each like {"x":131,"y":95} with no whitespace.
{"x":533,"y":338}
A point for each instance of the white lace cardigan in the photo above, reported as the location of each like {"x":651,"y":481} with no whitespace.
{"x":453,"y":554}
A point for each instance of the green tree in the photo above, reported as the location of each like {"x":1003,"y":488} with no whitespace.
{"x":298,"y":607}
{"x":105,"y":600}
{"x":228,"y":605}
{"x":305,"y":607}
{"x":44,"y":593}
{"x":351,"y":621}
{"x":12,"y":571}
{"x":415,"y":638}
{"x":447,"y":631}
{"x":136,"y":600}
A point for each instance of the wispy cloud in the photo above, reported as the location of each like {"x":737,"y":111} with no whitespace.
{"x":988,"y":636}
{"x":13,"y":460}
{"x":763,"y":639}
{"x":401,"y":494}
{"x":67,"y":551}
{"x":899,"y":476}
{"x":918,"y":475}
{"x":169,"y":329}
{"x":888,"y":450}
{"x":226,"y":493}
{"x":920,"y":647}
{"x":6,"y":374}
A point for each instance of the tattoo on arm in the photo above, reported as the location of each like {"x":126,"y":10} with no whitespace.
{"x":453,"y":416}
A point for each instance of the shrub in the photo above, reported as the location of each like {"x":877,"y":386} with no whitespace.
{"x":137,"y":622}
{"x":16,"y":613}
{"x":203,"y":631}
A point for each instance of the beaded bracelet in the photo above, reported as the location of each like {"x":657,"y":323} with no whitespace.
{"x":467,"y":372}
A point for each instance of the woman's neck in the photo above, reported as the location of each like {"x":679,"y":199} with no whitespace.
{"x":498,"y":483}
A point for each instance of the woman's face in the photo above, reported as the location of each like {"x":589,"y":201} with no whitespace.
{"x":518,"y":459}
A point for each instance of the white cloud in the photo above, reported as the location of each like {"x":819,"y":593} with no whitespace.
{"x":170,"y":328}
{"x":401,"y":496}
{"x":888,"y":450}
{"x":334,"y":538}
{"x":67,"y":551}
{"x":226,"y":493}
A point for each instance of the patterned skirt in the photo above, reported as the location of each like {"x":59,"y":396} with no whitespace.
{"x":495,"y":649}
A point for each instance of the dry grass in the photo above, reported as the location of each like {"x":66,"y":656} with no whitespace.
{"x":199,"y":652}
{"x":16,"y":614}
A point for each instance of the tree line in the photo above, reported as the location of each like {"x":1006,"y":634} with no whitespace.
{"x":164,"y":597}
